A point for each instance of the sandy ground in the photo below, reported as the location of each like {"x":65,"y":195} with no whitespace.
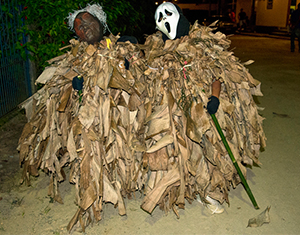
{"x":28,"y":210}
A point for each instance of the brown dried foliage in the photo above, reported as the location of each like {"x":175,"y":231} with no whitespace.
{"x":145,"y":128}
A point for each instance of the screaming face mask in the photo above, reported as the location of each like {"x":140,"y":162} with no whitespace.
{"x":167,"y":18}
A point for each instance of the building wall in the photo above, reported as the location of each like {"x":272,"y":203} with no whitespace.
{"x":277,"y":16}
{"x":194,"y":6}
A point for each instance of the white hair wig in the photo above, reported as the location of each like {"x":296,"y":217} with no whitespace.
{"x":95,"y":10}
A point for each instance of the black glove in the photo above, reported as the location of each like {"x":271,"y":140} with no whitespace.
{"x":126,"y":64}
{"x":77,"y":83}
{"x":213,"y":105}
{"x":126,"y":38}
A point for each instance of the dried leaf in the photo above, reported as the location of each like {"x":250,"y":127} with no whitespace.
{"x":90,"y":50}
{"x":105,"y":114}
{"x":87,"y":112}
{"x":164,"y":141}
{"x":65,"y":98}
{"x":134,"y":102}
{"x":70,"y":75}
{"x":121,"y":204}
{"x":109,"y":192}
{"x":157,"y":160}
{"x":158,"y":125}
{"x":158,"y":112}
{"x":152,"y":198}
{"x":46,"y":75}
{"x":71,"y":147}
{"x":88,"y":198}
{"x":119,"y":82}
{"x":192,"y":131}
{"x":259,"y":220}
{"x":248,"y":62}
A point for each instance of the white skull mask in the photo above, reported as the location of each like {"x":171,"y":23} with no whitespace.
{"x":166,"y":18}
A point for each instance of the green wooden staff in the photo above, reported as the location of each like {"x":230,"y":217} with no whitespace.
{"x":234,"y":162}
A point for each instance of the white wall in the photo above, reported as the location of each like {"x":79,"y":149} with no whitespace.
{"x":275,"y":17}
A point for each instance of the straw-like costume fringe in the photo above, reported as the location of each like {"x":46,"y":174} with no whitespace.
{"x":100,"y":137}
{"x":145,"y":128}
{"x":183,"y":146}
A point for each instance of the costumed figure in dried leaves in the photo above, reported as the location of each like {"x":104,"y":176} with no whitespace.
{"x":122,"y":122}
{"x":190,"y":77}
{"x":88,"y":117}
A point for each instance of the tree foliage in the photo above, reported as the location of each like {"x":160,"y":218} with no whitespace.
{"x":46,"y":24}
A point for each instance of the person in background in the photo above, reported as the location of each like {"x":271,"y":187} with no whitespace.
{"x":295,"y":28}
{"x":231,"y":15}
{"x":242,"y":19}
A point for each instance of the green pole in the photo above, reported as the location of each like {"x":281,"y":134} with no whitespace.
{"x":234,"y":162}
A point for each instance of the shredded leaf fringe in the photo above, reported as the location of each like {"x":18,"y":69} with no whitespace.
{"x":144,"y":129}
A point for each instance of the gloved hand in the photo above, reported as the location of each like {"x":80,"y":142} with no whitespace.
{"x":126,"y":38}
{"x":126,"y":64}
{"x":213,"y":105}
{"x":77,"y":83}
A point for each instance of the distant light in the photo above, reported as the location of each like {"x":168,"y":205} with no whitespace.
{"x":156,"y":3}
{"x":164,"y":1}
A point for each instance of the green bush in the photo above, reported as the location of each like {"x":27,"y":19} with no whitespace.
{"x":46,"y":24}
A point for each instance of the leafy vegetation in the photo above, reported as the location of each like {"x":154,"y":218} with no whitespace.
{"x":46,"y":27}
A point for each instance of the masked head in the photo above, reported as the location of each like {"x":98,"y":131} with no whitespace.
{"x":170,"y":20}
{"x":88,"y":28}
{"x":88,"y":23}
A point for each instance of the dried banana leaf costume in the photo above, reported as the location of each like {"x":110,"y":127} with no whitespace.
{"x":141,"y":128}
{"x":96,"y":135}
{"x":185,"y":154}
{"x":98,"y":138}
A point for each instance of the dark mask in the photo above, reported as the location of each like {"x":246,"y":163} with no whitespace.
{"x":88,"y":28}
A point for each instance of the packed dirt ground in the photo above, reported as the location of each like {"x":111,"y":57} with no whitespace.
{"x":28,"y":210}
